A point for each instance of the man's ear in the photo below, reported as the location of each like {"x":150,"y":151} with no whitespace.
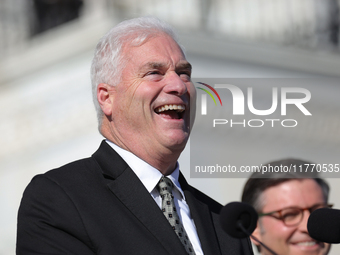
{"x":257,"y":234}
{"x":105,"y":97}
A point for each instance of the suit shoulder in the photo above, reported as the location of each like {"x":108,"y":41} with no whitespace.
{"x":77,"y":181}
{"x":73,"y":169}
{"x":79,"y":173}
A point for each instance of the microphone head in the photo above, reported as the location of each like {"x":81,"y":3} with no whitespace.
{"x":235,"y":214}
{"x":324,"y":225}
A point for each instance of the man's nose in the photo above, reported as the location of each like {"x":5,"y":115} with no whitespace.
{"x":175,"y":85}
{"x":303,"y":224}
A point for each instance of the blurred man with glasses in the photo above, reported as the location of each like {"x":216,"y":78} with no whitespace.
{"x":284,"y":202}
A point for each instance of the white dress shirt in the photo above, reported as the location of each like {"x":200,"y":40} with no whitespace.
{"x":150,"y":177}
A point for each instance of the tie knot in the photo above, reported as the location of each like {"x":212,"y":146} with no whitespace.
{"x":164,"y":186}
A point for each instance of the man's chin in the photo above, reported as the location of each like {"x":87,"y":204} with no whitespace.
{"x":177,"y":144}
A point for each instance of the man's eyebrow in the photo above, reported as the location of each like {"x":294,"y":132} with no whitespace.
{"x":159,"y":65}
{"x":153,"y":65}
{"x":185,"y":65}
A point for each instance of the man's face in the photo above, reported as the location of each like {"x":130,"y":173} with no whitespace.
{"x":151,"y":105}
{"x":293,"y":240}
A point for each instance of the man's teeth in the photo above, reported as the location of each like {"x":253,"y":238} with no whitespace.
{"x":311,"y":243}
{"x":178,"y":108}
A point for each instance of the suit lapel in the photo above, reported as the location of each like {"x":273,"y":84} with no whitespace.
{"x":201,"y":214}
{"x":126,"y":186}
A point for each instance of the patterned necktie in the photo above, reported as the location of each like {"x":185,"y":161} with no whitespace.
{"x":169,"y":210}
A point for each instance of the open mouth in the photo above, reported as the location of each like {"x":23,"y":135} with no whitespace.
{"x":171,"y":111}
{"x":307,"y":243}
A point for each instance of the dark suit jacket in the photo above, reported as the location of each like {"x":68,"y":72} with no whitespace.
{"x":99,"y":206}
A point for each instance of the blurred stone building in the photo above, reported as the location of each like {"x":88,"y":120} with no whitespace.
{"x":46,"y":46}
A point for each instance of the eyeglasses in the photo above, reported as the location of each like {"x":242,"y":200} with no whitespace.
{"x":292,"y":216}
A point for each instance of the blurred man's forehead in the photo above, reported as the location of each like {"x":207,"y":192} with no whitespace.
{"x":296,"y":192}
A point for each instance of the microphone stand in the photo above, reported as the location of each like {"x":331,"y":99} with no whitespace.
{"x":239,"y":224}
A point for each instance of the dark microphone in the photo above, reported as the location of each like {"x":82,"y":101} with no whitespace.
{"x":237,"y":214}
{"x":239,"y":220}
{"x":324,"y":225}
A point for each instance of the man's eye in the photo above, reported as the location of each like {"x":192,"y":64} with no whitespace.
{"x":186,"y":73}
{"x":153,"y":73}
{"x":291,"y":214}
{"x":185,"y":76}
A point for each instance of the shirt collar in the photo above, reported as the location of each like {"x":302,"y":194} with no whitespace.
{"x":147,"y":174}
{"x":174,"y":178}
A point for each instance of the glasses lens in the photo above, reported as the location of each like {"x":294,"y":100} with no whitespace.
{"x":291,"y":216}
